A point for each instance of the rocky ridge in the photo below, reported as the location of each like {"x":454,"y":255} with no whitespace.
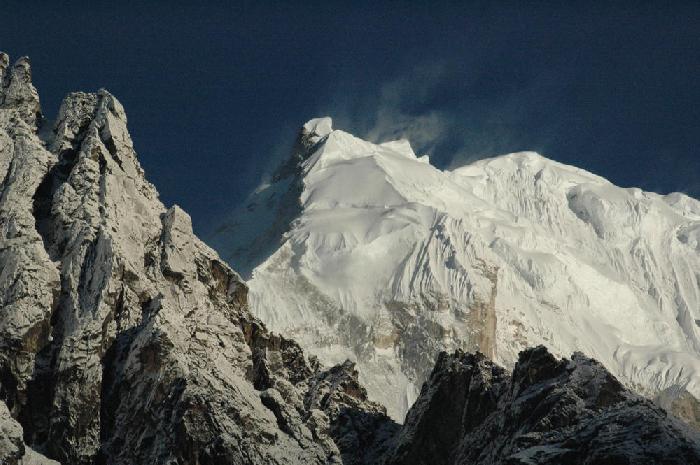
{"x":123,"y":338}
{"x":548,"y":411}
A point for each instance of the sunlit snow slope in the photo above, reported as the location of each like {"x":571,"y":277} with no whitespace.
{"x":370,"y":253}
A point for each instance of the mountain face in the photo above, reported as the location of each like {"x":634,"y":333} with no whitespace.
{"x":123,"y":338}
{"x":379,"y":257}
{"x":126,"y":340}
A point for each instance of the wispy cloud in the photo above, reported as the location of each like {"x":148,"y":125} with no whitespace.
{"x":398,"y":113}
{"x":440,"y":111}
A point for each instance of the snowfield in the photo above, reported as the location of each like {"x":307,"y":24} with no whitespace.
{"x":384,"y":259}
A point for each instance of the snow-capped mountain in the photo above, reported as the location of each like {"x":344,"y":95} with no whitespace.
{"x":125,"y":340}
{"x":367,"y":251}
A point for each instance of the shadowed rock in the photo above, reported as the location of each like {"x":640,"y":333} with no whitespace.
{"x":549,"y":411}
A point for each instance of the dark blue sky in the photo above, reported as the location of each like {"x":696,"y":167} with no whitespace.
{"x":214,"y":93}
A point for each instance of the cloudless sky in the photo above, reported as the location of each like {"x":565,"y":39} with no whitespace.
{"x":215,"y":92}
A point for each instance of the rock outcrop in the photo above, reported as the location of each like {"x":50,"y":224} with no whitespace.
{"x":17,"y":91}
{"x":13,"y":451}
{"x":125,"y":339}
{"x":548,"y":411}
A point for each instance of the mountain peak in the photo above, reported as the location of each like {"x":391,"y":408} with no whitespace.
{"x":17,"y":91}
{"x":4,"y":63}
{"x":125,"y":339}
{"x":318,"y":127}
{"x":380,"y":257}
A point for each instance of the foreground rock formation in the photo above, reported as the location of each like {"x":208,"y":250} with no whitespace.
{"x":123,"y":338}
{"x":126,"y":340}
{"x":548,"y":411}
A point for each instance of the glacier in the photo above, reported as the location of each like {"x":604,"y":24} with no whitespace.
{"x":368,"y":252}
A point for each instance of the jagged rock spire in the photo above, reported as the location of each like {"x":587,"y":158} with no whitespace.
{"x":17,"y":91}
{"x":118,"y":326}
{"x":4,"y":63}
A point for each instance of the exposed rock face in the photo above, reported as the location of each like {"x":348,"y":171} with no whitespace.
{"x":17,"y":91}
{"x":548,"y":411}
{"x":125,"y":339}
{"x":13,"y":451}
{"x":682,"y":404}
{"x":29,"y":280}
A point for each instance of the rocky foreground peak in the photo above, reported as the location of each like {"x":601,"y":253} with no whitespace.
{"x":548,"y":411}
{"x":124,"y":339}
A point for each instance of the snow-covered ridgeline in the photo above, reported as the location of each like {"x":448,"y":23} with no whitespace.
{"x":386,"y":259}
